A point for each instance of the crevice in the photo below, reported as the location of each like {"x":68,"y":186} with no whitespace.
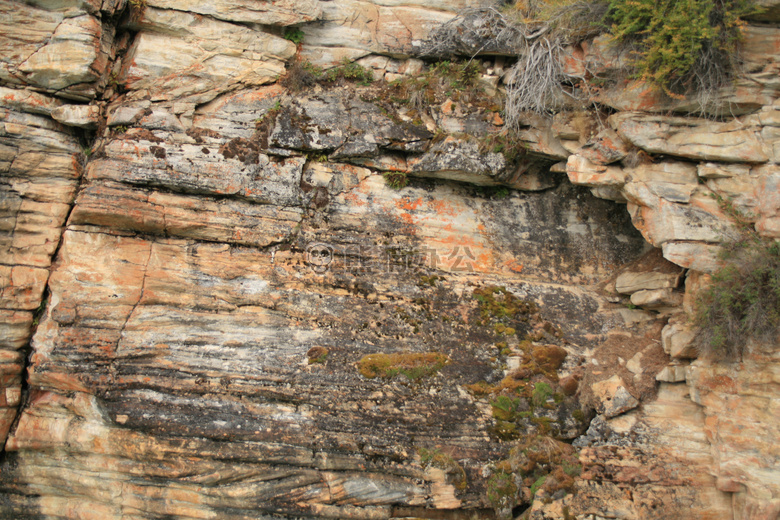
{"x":27,"y":350}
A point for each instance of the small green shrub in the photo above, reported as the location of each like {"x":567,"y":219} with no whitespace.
{"x":682,"y":46}
{"x":349,"y":71}
{"x":743,"y":300}
{"x":294,"y":34}
{"x":396,"y":180}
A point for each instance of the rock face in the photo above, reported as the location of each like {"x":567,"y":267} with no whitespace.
{"x":235,"y":287}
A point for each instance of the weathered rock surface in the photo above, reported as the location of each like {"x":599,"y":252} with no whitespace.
{"x":736,"y":396}
{"x":199,"y":265}
{"x":183,"y":56}
{"x":39,"y":172}
{"x":660,"y":460}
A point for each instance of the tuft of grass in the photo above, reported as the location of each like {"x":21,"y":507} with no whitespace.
{"x":396,"y":180}
{"x":349,"y":71}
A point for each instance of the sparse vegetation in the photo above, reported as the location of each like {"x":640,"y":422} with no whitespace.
{"x":544,"y":463}
{"x":743,"y":300}
{"x":436,"y":458}
{"x":683,"y":47}
{"x":348,"y":71}
{"x":396,"y":180}
{"x":302,"y":74}
{"x":502,"y":493}
{"x":456,"y":80}
{"x":496,"y":303}
{"x":412,"y":365}
{"x":294,"y":34}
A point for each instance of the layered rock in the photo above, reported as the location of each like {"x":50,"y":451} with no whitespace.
{"x":245,"y":320}
{"x":40,"y":161}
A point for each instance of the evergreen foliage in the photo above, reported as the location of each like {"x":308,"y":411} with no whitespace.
{"x":683,"y":46}
{"x":743,"y":301}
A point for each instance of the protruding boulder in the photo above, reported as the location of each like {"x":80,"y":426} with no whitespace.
{"x":678,"y":337}
{"x":82,"y":116}
{"x":612,"y":397}
{"x":691,"y":138}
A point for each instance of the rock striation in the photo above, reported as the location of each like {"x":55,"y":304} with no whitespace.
{"x":235,"y":286}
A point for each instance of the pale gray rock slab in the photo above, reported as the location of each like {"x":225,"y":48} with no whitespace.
{"x":690,"y":138}
{"x":273,"y":12}
{"x":82,"y":116}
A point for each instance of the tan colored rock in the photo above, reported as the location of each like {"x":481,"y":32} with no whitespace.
{"x":39,"y":172}
{"x":612,"y":397}
{"x":699,"y":256}
{"x":660,"y":220}
{"x":739,"y":399}
{"x":275,"y":12}
{"x":183,"y":56}
{"x":721,"y":170}
{"x":678,"y":338}
{"x":82,"y":116}
{"x":768,"y":195}
{"x":388,"y":29}
{"x":632,"y":282}
{"x":671,"y":374}
{"x":661,"y":453}
{"x":28,"y":101}
{"x":605,"y":148}
{"x":584,"y":172}
{"x":672,"y":181}
{"x":53,"y":49}
{"x":657,"y":299}
{"x":742,"y":192}
{"x":651,"y":272}
{"x":693,"y":139}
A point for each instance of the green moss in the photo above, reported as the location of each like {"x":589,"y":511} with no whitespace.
{"x":317,"y":355}
{"x":501,"y":491}
{"x":412,"y":366}
{"x":497,"y":302}
{"x":541,"y":392}
{"x":504,"y":407}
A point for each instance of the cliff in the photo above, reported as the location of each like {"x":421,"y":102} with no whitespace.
{"x":242,"y":280}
